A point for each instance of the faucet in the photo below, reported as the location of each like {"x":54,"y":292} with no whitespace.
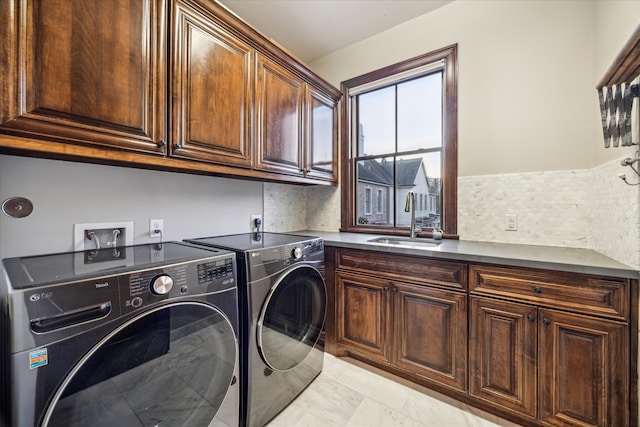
{"x":410,"y":205}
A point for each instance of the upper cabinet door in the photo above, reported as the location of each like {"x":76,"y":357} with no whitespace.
{"x":322,"y":139}
{"x":212,"y":90}
{"x":89,"y":72}
{"x":280,"y":97}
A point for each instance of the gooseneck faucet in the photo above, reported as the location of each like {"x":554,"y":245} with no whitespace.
{"x":410,"y":206}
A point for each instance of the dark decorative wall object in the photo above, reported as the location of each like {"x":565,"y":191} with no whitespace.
{"x":616,"y":92}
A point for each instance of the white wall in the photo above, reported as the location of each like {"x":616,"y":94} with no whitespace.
{"x":526,"y":90}
{"x":65,"y":193}
{"x":530,"y":140}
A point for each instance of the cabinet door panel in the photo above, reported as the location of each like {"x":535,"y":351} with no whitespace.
{"x":321,"y":152}
{"x":431,"y":334}
{"x":212,"y":83}
{"x":583,"y":380}
{"x":280,"y":98}
{"x":502,"y":354}
{"x":363,"y":315}
{"x":92,"y":73}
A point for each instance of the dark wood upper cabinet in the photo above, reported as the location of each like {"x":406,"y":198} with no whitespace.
{"x":110,"y":82}
{"x":280,"y":98}
{"x":211,"y":86}
{"x":88,"y":72}
{"x":321,"y":161}
{"x":296,"y":125}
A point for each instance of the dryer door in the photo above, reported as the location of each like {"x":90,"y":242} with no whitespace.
{"x":292,"y":318}
{"x":172,"y":365}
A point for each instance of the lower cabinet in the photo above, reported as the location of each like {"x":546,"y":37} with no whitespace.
{"x":418,"y":329}
{"x":538,"y":347}
{"x":583,"y":367}
{"x":502,"y":354}
{"x":563,"y":368}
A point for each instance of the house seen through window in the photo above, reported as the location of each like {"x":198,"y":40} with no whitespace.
{"x":402,"y":138}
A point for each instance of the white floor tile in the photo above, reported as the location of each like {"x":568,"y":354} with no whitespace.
{"x":378,"y":388}
{"x":372,"y":413}
{"x":346,"y":395}
{"x":330,"y":400}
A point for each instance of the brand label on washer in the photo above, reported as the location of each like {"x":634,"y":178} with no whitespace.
{"x":38,"y":358}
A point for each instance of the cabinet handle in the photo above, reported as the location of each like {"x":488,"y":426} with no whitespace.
{"x":531,"y":318}
{"x":546,"y":322}
{"x":537,"y":290}
{"x":177,"y":146}
{"x":160,"y":144}
{"x":385,"y":288}
{"x":394,"y":290}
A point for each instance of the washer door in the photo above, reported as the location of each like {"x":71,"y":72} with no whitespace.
{"x":169,"y":366}
{"x":292,"y":318}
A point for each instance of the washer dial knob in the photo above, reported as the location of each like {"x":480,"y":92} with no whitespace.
{"x":161,"y":285}
{"x":296,"y":253}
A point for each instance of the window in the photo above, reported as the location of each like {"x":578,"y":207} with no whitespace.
{"x":367,"y":201}
{"x":401,"y":137}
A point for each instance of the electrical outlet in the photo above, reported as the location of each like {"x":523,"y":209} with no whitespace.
{"x":254,"y":227}
{"x":156,"y":228}
{"x":511,"y":222}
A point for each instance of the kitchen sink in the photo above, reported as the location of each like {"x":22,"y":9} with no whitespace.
{"x":406,"y":242}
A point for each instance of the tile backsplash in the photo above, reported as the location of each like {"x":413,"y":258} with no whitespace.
{"x":550,"y":208}
{"x":614,"y":212}
{"x":589,"y":208}
{"x":285,"y":207}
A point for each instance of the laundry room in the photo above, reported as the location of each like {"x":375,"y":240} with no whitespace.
{"x":445,"y":269}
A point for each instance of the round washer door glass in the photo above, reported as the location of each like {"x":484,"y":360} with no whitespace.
{"x":171,"y":366}
{"x":292,"y":318}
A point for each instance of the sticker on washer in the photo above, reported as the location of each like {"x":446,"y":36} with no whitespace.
{"x":38,"y":358}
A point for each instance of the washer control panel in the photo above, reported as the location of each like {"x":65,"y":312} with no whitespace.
{"x":141,"y":288}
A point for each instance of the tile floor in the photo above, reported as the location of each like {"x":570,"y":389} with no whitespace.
{"x":346,"y":394}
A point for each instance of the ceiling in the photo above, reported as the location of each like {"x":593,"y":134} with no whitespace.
{"x":311,"y":29}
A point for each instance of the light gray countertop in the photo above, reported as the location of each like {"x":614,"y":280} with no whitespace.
{"x":546,"y":257}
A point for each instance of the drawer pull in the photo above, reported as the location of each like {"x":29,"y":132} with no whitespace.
{"x":386,"y":288}
{"x":537,"y":290}
{"x":546,"y":322}
{"x":531,"y":318}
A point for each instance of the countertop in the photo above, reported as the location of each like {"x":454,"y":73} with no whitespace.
{"x":546,"y":257}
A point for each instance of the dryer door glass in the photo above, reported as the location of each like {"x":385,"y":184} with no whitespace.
{"x":292,"y":318}
{"x":168,"y":366}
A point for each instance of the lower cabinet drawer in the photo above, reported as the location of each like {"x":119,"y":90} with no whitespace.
{"x":595,"y":295}
{"x":448,"y":274}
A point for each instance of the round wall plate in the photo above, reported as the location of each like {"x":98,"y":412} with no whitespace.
{"x":17,"y":207}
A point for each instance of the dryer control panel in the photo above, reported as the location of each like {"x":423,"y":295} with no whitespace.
{"x":269,"y":261}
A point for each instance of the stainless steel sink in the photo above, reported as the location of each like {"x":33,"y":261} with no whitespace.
{"x":407,"y":242}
